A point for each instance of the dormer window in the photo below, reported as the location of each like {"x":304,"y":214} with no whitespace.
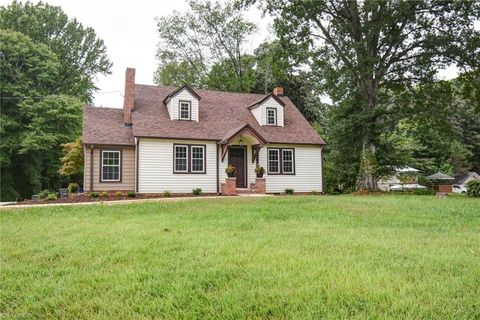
{"x":271,"y":116}
{"x":269,"y":111}
{"x":185,"y":110}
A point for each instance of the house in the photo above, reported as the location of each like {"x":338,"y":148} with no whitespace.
{"x":461,"y":180}
{"x":441,"y":182}
{"x":402,"y":175}
{"x":178,"y":139}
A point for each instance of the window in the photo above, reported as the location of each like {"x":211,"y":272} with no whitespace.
{"x":273,"y":161}
{"x":184,"y":110}
{"x":287,"y":161}
{"x":110,"y":166}
{"x":281,"y":161}
{"x":198,"y":162}
{"x":189,"y":158}
{"x":181,"y":158}
{"x":271,"y":116}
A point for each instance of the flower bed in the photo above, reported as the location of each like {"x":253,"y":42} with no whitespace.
{"x":82,"y":197}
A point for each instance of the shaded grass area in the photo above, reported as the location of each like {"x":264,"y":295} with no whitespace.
{"x":300,"y":257}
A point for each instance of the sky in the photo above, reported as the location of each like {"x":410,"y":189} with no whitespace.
{"x":129,"y":31}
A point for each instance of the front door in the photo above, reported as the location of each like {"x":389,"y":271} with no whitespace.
{"x":237,"y":158}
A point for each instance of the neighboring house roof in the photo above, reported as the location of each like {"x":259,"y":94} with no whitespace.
{"x":220,"y":112}
{"x":406,"y":169}
{"x":461,"y":179}
{"x":440,"y":176}
{"x":105,"y":126}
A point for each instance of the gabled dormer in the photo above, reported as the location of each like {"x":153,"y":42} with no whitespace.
{"x":183,"y":104}
{"x":269,"y":111}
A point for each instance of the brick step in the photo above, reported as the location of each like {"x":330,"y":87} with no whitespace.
{"x":244,"y":190}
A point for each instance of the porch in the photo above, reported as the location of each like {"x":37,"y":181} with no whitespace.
{"x":240,"y":149}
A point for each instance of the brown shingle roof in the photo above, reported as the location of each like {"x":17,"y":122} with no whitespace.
{"x":219,"y":112}
{"x":105,"y":126}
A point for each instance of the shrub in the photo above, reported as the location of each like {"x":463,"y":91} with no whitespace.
{"x":197,"y":191}
{"x":105,"y":194}
{"x":131,"y":194}
{"x":93,"y":195}
{"x":118,"y":194}
{"x":259,"y":170}
{"x":43,"y":194}
{"x":289,"y":191}
{"x":51,"y":196}
{"x":473,"y":188}
{"x":167,"y":193}
{"x":73,"y":187}
{"x":230,"y":170}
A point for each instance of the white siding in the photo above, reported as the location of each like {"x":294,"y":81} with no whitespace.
{"x":260,"y":112}
{"x":173,"y":105}
{"x":257,"y":113}
{"x":155,"y":171}
{"x":308,"y":170}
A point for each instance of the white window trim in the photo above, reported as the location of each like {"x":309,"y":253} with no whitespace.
{"x":203,"y":159}
{"x":274,"y":116}
{"x":119,"y":165}
{"x":292,"y":161}
{"x":175,"y":158}
{"x":278,"y":161}
{"x":189,"y":103}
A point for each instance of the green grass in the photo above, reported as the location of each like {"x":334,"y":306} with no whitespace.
{"x":299,"y":257}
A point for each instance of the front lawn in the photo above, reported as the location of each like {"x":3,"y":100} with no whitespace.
{"x":297,"y":257}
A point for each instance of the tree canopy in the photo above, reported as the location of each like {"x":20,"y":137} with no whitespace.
{"x":363,"y":51}
{"x":48,"y":67}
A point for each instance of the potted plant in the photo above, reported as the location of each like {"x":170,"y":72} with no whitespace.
{"x":259,"y":171}
{"x":230,"y":170}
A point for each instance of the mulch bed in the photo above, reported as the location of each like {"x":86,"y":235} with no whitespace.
{"x":77,"y":198}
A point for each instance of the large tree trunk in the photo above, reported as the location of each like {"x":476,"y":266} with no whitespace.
{"x":367,"y":179}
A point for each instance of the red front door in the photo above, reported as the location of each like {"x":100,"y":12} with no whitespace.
{"x":237,"y":157}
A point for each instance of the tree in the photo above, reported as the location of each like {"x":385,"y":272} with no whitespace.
{"x":360,"y":49}
{"x":210,"y":38}
{"x":72,"y":160}
{"x":34,"y":122}
{"x":80,"y":53}
{"x":48,"y":64}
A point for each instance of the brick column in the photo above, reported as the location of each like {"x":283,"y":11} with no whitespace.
{"x":230,"y":187}
{"x":261,"y":185}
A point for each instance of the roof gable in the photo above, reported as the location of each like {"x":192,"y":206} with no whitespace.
{"x":461,"y":179}
{"x":177,"y":91}
{"x":264,"y":99}
{"x":243,"y":129}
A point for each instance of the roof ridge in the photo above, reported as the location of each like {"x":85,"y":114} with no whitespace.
{"x":100,"y":107}
{"x":208,"y":90}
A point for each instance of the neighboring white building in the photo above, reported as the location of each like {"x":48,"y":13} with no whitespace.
{"x":394,"y":180}
{"x":178,"y":139}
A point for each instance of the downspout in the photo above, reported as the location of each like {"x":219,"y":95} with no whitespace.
{"x":218,"y":166}
{"x":91,"y":168}
{"x":323,"y":173}
{"x":137,"y":150}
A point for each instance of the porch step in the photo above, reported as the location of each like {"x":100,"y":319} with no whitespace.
{"x":244,"y":191}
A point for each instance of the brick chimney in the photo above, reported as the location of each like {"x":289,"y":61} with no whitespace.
{"x":278,"y":91}
{"x":129,"y":96}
